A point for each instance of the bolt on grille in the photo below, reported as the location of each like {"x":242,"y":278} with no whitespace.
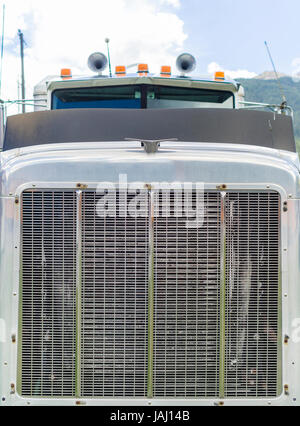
{"x":114,"y":302}
{"x":48,"y":293}
{"x":252,"y":294}
{"x":125,"y":307}
{"x":187,"y":299}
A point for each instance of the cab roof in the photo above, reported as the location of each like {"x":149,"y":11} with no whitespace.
{"x":55,"y":82}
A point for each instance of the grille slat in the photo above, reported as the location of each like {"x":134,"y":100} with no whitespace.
{"x":111,"y":358}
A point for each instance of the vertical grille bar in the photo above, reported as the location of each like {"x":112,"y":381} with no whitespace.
{"x":151,"y":296}
{"x":222,"y":296}
{"x":48,"y":293}
{"x":78,"y":290}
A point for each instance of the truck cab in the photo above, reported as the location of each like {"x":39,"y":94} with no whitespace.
{"x":140,"y":90}
{"x":149,"y":244}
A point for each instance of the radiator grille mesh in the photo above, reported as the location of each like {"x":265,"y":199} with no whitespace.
{"x":252,"y":223}
{"x":48,"y":293}
{"x":187,"y":275}
{"x":113,"y":352}
{"x":114,"y":301}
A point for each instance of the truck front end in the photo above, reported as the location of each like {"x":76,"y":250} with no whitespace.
{"x":149,"y":247}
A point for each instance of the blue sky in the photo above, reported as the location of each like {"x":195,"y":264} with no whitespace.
{"x":222,"y":34}
{"x":232,"y":32}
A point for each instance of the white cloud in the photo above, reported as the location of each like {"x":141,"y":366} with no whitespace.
{"x":296,"y":66}
{"x":174,"y":3}
{"x":64,"y":33}
{"x":232,"y":74}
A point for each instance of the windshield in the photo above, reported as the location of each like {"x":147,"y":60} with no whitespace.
{"x":141,"y":97}
{"x":98,"y":97}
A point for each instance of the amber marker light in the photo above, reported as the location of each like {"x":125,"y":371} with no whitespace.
{"x":120,"y":71}
{"x":66,"y":73}
{"x":220,"y":76}
{"x":143,"y":70}
{"x":166,"y":71}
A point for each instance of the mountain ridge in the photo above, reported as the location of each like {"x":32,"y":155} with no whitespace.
{"x":271,"y":75}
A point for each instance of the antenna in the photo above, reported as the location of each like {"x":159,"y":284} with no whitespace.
{"x":284,"y":102}
{"x":107,"y":40}
{"x":2,"y":47}
{"x":21,"y":36}
{"x":132,"y":65}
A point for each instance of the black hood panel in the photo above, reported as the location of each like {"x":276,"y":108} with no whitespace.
{"x":187,"y":125}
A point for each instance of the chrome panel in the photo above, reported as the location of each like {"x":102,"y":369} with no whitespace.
{"x":214,"y":164}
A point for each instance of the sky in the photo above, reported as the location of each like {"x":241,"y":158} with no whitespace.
{"x":224,"y":35}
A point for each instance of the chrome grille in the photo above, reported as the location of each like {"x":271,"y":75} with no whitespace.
{"x":252,"y":272}
{"x":48,"y":293}
{"x":214,"y":330}
{"x":114,"y":301}
{"x":187,"y":275}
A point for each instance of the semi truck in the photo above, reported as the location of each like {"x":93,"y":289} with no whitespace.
{"x":149,"y":244}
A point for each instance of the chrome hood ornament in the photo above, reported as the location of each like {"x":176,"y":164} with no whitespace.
{"x":151,"y":146}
